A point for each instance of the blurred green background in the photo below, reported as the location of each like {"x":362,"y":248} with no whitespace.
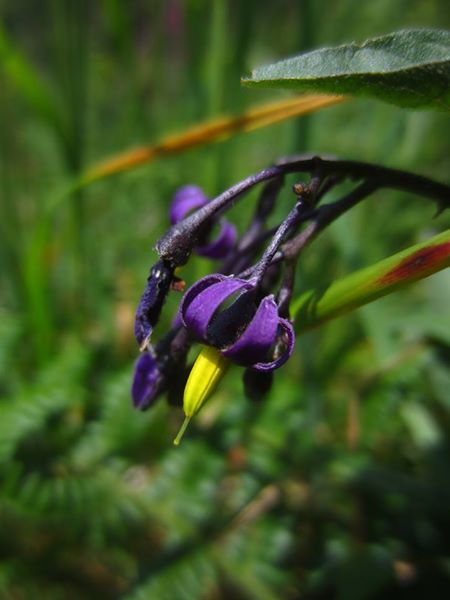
{"x":337,"y":485}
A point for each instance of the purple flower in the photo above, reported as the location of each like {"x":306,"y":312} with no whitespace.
{"x":191,"y":197}
{"x":249,"y":331}
{"x":146,"y":381}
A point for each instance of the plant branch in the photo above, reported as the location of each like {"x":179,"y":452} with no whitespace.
{"x":323,"y":217}
{"x":382,"y":176}
{"x":176,"y":245}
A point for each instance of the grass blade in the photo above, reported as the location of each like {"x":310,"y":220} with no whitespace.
{"x":212,"y":131}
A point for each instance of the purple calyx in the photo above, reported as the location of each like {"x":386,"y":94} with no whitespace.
{"x":246,"y":331}
{"x":191,"y":197}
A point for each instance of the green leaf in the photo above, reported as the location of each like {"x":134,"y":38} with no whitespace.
{"x":423,"y":428}
{"x":409,"y":68}
{"x":193,"y":575}
{"x":319,"y":305}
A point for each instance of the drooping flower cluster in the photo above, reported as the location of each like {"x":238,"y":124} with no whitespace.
{"x":240,"y":312}
{"x":237,"y":315}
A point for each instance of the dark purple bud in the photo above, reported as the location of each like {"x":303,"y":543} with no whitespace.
{"x":175,"y":246}
{"x":245,"y":332}
{"x":191,"y":197}
{"x":186,"y":199}
{"x":221,"y":246}
{"x":147,"y":378}
{"x":151,"y":303}
{"x":161,"y":369}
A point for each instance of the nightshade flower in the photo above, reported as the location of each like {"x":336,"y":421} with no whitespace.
{"x":191,"y":197}
{"x":247,"y":331}
{"x":238,"y":318}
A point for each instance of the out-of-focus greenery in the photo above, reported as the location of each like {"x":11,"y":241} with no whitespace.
{"x":335,"y":486}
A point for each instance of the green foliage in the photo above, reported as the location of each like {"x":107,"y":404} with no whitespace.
{"x":26,"y":78}
{"x":337,"y":484}
{"x":409,"y":68}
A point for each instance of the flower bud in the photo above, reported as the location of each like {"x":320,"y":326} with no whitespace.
{"x":146,"y":381}
{"x":189,"y":198}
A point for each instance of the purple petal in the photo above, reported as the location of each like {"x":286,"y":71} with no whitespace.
{"x":221,"y":246}
{"x":202,"y":301}
{"x":145,"y":382}
{"x":186,"y":199}
{"x":196,"y":289}
{"x":177,"y":320}
{"x":254,"y":343}
{"x":270,"y":366}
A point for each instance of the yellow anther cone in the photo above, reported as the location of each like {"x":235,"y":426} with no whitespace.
{"x":205,"y":376}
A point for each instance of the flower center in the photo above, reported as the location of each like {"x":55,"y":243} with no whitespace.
{"x":230,"y":320}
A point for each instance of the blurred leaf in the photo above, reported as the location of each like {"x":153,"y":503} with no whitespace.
{"x":182,"y":491}
{"x":192,"y":576}
{"x":10,"y":330}
{"x":319,"y":305}
{"x":252,"y":552}
{"x":56,"y":390}
{"x":408,"y":68}
{"x":364,"y":574}
{"x":117,"y":429}
{"x":27,"y":80}
{"x":407,"y":316}
{"x":421,"y":424}
{"x":440,"y":383}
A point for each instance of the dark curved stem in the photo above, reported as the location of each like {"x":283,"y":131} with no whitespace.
{"x":176,"y":245}
{"x":324,"y":216}
{"x":277,"y":239}
{"x":287,"y":288}
{"x":255,"y":233}
{"x":383,"y":176}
